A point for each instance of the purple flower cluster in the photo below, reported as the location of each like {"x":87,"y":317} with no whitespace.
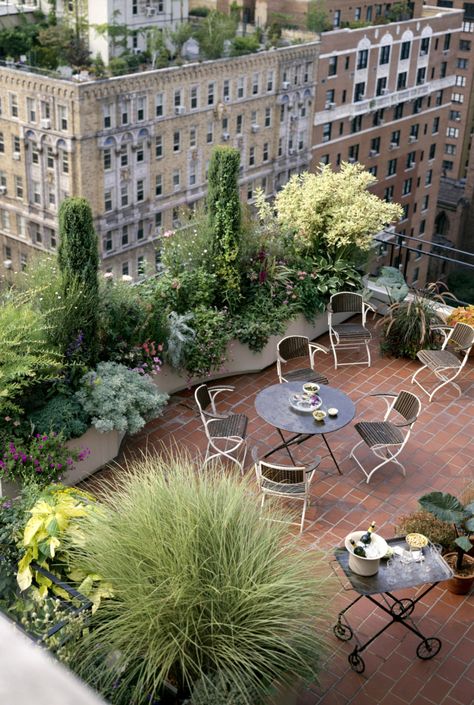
{"x":41,"y":459}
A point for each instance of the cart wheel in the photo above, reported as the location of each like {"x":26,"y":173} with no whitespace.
{"x":342,"y":631}
{"x":428,"y":648}
{"x":356,"y":662}
{"x":402,"y":608}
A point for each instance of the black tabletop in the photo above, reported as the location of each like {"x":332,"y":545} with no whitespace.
{"x":272,"y":405}
{"x":438,"y":570}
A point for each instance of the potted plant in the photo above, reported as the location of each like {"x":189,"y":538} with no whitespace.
{"x":448,"y":508}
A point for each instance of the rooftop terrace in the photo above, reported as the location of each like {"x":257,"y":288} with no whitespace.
{"x":438,"y":457}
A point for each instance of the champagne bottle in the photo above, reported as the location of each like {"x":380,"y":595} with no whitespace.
{"x":367,"y":537}
{"x":358,"y":550}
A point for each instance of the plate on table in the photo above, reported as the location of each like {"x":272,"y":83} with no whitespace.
{"x":305,"y":404}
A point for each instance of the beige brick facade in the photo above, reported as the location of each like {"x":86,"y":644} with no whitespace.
{"x":137,"y":147}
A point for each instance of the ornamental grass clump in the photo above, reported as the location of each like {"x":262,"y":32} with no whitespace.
{"x":203,"y":588}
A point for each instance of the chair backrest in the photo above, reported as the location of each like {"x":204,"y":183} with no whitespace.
{"x":462,"y":336}
{"x":293,"y":346}
{"x":407,"y":405}
{"x":203,"y":398}
{"x":346,"y":302}
{"x":283,"y":474}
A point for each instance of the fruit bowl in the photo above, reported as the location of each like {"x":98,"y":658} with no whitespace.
{"x":319,"y":415}
{"x":311,"y":388}
{"x":369,"y":565}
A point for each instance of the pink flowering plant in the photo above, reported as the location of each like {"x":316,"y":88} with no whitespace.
{"x":146,"y":358}
{"x":42,"y":459}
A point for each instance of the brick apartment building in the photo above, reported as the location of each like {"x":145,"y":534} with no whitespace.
{"x":138,"y":146}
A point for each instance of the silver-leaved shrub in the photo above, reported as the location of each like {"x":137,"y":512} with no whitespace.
{"x":117,"y":398}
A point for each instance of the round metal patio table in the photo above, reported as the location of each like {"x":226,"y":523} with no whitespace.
{"x":272,"y":405}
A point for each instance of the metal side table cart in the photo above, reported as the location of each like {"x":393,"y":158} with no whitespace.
{"x":429,"y":571}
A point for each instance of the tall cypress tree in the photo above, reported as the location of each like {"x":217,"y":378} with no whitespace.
{"x":224,"y":217}
{"x":78,"y":258}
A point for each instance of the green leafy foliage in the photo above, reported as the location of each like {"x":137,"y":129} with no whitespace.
{"x":212,"y":33}
{"x":225,"y":221}
{"x":259,"y":320}
{"x":61,"y":414}
{"x":446,"y":507}
{"x":201,"y":586}
{"x":116,"y":398}
{"x":78,"y":258}
{"x":207,"y":350}
{"x":317,"y":19}
{"x":244,"y":45}
{"x":190,"y":289}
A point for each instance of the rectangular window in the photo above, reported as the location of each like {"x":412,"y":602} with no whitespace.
{"x":406,"y":187}
{"x":411,"y":160}
{"x":462,"y":63}
{"x":392,"y":167}
{"x":424,"y":46}
{"x":384,"y":56}
{"x":265,"y":152}
{"x":13,"y":105}
{"x":2,"y":143}
{"x":239,"y":124}
{"x":468,"y":26}
{"x":140,"y":190}
{"x":432,"y":152}
{"x":140,"y":230}
{"x":406,"y":210}
{"x":455,"y":115}
{"x":447,"y":42}
{"x":464,"y":45}
{"x":443,"y":69}
{"x":34,"y":154}
{"x":402,"y":80}
{"x":210,"y":132}
{"x":362,"y":59}
{"x":438,"y":98}
{"x":450,"y":149}
{"x":62,"y":118}
{"x":158,"y":185}
{"x":447,"y":165}
{"x":158,"y":146}
{"x":336,"y":19}
{"x":108,"y":204}
{"x":332,"y":66}
{"x":176,"y":141}
{"x":381,"y":86}
{"x":107,"y":159}
{"x":375,"y":145}
{"x":210,"y":93}
{"x":64,"y":162}
{"x":356,"y":124}
{"x":268,"y":117}
{"x":251,"y":156}
{"x":460,"y":81}
{"x":452,"y":132}
{"x":159,"y":105}
{"x":420,"y":76}
{"x":192,"y":174}
{"x":429,"y":177}
{"x":141,"y":108}
{"x":395,"y":138}
{"x":125,"y":269}
{"x":405,"y":51}
{"x":240,"y":86}
{"x":108,"y":242}
{"x":50,"y":158}
{"x":158,"y":220}
{"x":123,"y":155}
{"x":417,"y":106}
{"x":398,"y":111}
{"x":327,"y":127}
{"x":125,"y":235}
{"x":255,"y":83}
{"x":353,"y":153}
{"x":107,"y":116}
{"x":226,"y":90}
{"x":359,"y":91}
{"x":18,"y":187}
{"x":16,"y":146}
{"x":177,"y":98}
{"x":192,"y":137}
{"x":457,"y":98}
{"x":270,"y":79}
{"x":31,"y":109}
{"x":123,"y":195}
{"x":414,"y":131}
{"x":425,"y":203}
{"x":125,"y":112}
{"x":388,"y":194}
{"x":45,"y":110}
{"x":194,"y":97}
{"x":140,"y":152}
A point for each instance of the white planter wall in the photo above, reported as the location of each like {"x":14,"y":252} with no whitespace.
{"x":241,"y":360}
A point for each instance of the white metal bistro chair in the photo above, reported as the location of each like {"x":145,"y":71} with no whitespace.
{"x":225,"y":433}
{"x":445,"y":364}
{"x":286,"y":481}
{"x":349,"y":336}
{"x":386,"y":439}
{"x":299,"y":346}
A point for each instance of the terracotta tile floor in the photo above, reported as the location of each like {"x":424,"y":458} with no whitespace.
{"x":439,"y":456}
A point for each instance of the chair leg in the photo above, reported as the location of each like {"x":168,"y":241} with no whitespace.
{"x":385,"y":460}
{"x":369,"y":360}
{"x":444,"y":382}
{"x":303,"y":515}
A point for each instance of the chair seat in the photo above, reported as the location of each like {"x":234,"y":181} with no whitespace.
{"x":304,"y":375}
{"x":233,"y":425}
{"x":375,"y":433}
{"x":438,"y":359}
{"x":283,"y":487}
{"x":352,"y":331}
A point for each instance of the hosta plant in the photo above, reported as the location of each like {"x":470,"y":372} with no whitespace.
{"x":448,"y":508}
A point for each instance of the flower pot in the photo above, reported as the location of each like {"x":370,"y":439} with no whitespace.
{"x":366,"y":566}
{"x":103,"y":447}
{"x":460,"y":584}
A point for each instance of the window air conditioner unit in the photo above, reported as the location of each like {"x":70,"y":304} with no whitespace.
{"x":136,"y":50}
{"x":458,"y":119}
{"x":255,"y":127}
{"x":16,"y":156}
{"x":412,"y":138}
{"x":45,"y":124}
{"x":227,"y":99}
{"x":176,"y":187}
{"x":352,"y":160}
{"x":393,"y":145}
{"x":3,"y":190}
{"x":384,"y":91}
{"x":179,"y":110}
{"x":150,"y":11}
{"x":225,"y":136}
{"x":373,"y":153}
{"x":285,"y":85}
{"x":329,"y":106}
{"x":291,"y":151}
